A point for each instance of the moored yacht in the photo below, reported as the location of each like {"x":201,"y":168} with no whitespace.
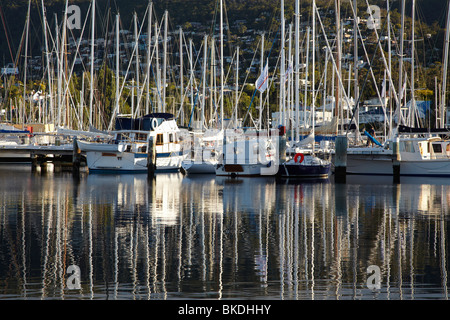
{"x":418,"y":156}
{"x":128,"y":150}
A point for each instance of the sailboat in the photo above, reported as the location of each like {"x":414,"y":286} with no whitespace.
{"x":206,"y":143}
{"x":303,"y":163}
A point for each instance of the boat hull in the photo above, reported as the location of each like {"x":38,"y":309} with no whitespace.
{"x":366,"y":165}
{"x":305,"y":171}
{"x":131,"y":162}
{"x":205,"y":167}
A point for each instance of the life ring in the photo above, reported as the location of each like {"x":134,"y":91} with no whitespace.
{"x":301,"y":155}
{"x":154,"y":123}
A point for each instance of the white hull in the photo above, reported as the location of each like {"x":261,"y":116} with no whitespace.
{"x":429,"y":168}
{"x":100,"y":147}
{"x":369,"y":164}
{"x":418,"y":157}
{"x":130,"y":162}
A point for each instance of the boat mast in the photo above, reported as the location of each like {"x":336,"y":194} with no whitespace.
{"x":444,"y":74}
{"x":388,"y":8}
{"x":117,"y":62}
{"x":261,"y":93}
{"x":296,"y":68}
{"x":62,"y":52}
{"x":413,"y":101}
{"x":400,"y":71}
{"x":181,"y":78}
{"x":149,"y":41}
{"x":191,"y":78}
{"x":158,"y":71}
{"x":166,"y":18}
{"x":236,"y":89}
{"x":313,"y":80}
{"x":282,"y":69}
{"x":305,"y":98}
{"x":221,"y":64}
{"x":136,"y":52}
{"x":355,"y":71}
{"x":91,"y":93}
{"x":48,"y":58}
{"x":205,"y":55}
{"x":25,"y":65}
{"x":338,"y":109}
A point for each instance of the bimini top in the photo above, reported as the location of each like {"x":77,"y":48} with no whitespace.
{"x":145,"y":123}
{"x":161,"y":115}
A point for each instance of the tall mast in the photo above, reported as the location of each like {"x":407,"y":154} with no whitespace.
{"x":158,"y":71}
{"x":117,"y":61}
{"x":59,"y":83}
{"x":305,"y":98}
{"x":236,"y":89}
{"x":282,"y":68}
{"x":400,"y":71}
{"x":181,"y":78}
{"x":166,"y":18}
{"x":205,"y":56}
{"x":261,"y":93}
{"x":191,"y":77}
{"x":355,"y":69}
{"x":25,"y":64}
{"x":413,"y":100}
{"x":91,"y":93}
{"x":149,"y":41}
{"x":444,"y":74}
{"x":136,"y":52}
{"x":313,"y":80}
{"x":388,"y":7}
{"x":296,"y":68}
{"x":338,"y":108}
{"x":62,"y":49}
{"x":48,"y":58}
{"x":221,"y":63}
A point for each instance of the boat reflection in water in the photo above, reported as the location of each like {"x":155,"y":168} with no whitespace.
{"x":176,"y":237}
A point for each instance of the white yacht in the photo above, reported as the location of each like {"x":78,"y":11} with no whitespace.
{"x":206,"y":148}
{"x":249,"y":155}
{"x":128,"y":150}
{"x":419,"y":156}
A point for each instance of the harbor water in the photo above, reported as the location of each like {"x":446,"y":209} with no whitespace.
{"x":207,"y":237}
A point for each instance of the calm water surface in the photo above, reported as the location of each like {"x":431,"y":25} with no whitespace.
{"x":197,"y":237}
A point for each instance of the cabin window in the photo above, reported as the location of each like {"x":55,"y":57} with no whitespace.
{"x":437,"y":148}
{"x":159,"y":139}
{"x":407,"y":146}
{"x":170,"y":137}
{"x":141,"y":136}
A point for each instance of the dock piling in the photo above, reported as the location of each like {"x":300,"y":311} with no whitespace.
{"x":151,"y":157}
{"x":76,"y":157}
{"x":396,"y":160}
{"x":340,"y":160}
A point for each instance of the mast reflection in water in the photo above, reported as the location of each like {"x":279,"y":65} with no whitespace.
{"x":194,"y":237}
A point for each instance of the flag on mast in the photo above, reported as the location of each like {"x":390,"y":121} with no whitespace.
{"x":261,"y":82}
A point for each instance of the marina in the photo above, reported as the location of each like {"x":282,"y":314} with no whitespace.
{"x":150,"y":158}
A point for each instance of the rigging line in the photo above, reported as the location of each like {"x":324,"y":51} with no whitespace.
{"x":6,"y":32}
